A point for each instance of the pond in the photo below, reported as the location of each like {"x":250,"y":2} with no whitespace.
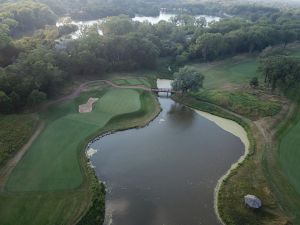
{"x":166,"y":172}
{"x":167,"y":17}
{"x":153,"y":20}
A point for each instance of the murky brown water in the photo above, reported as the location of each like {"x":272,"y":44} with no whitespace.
{"x":165,"y":173}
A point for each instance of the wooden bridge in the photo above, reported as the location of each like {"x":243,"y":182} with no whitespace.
{"x":164,"y":90}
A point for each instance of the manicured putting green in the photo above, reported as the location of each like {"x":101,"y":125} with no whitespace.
{"x":52,"y":161}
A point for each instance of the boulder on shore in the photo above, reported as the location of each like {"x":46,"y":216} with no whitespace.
{"x":252,"y":201}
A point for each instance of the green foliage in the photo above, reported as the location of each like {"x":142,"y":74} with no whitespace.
{"x":118,"y":25}
{"x":95,"y":54}
{"x":15,"y":130}
{"x":254,"y":82}
{"x":95,"y":214}
{"x":24,"y":16}
{"x":42,"y":37}
{"x":64,"y":172}
{"x":242,"y":103}
{"x":209,"y":46}
{"x":67,"y":29}
{"x":187,"y":79}
{"x":31,"y":78}
{"x":36,"y":98}
{"x":5,"y":103}
{"x":63,"y":205}
{"x":280,"y":70}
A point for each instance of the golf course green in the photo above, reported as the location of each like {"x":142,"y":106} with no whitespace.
{"x":51,"y":182}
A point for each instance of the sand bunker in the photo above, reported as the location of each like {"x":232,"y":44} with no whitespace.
{"x":87,"y":107}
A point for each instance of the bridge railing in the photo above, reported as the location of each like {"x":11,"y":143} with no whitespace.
{"x":162,"y":90}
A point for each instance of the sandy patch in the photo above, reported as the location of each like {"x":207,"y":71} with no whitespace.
{"x":238,"y":131}
{"x":90,"y":152}
{"x":228,"y":125}
{"x":87,"y":107}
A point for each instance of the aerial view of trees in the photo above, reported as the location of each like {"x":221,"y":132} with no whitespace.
{"x":187,"y":79}
{"x":33,"y":66}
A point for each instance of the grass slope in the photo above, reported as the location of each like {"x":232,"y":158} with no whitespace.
{"x":60,"y":192}
{"x":15,"y":130}
{"x":51,"y":163}
{"x":243,"y":103}
{"x":290,"y":155}
{"x":233,"y":71}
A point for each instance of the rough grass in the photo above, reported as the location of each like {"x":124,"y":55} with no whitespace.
{"x":15,"y":130}
{"x":51,"y":162}
{"x":242,"y":103}
{"x":226,"y":73}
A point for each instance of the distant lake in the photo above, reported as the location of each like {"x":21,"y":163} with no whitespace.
{"x":166,"y":172}
{"x":167,"y":17}
{"x":153,"y":20}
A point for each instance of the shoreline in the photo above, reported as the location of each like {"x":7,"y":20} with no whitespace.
{"x":228,"y":125}
{"x":238,"y":131}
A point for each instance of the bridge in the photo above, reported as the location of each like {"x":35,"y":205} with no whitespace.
{"x":164,"y":90}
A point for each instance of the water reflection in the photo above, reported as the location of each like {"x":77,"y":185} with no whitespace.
{"x":166,"y":172}
{"x":181,"y":116}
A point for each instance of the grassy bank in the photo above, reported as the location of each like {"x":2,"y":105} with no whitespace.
{"x":247,"y":178}
{"x":15,"y":131}
{"x":281,"y":163}
{"x":228,"y":73}
{"x":271,"y":171}
{"x":243,"y":103}
{"x":51,"y":184}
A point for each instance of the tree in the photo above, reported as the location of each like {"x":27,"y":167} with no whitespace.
{"x":187,"y":79}
{"x":15,"y":101}
{"x":209,"y":46}
{"x":35,"y":98}
{"x":5,"y":103}
{"x":183,"y":20}
{"x":280,"y":69}
{"x":254,"y":82}
{"x":117,"y":25}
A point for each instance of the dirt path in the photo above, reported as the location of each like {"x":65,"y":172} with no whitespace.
{"x":11,"y":164}
{"x":7,"y":169}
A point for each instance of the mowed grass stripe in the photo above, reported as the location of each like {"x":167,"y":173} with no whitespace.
{"x":290,"y":155}
{"x":52,"y":161}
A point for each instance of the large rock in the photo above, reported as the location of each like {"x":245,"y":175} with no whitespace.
{"x":252,"y":201}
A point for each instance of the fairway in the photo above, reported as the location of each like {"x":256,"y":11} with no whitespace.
{"x":52,"y":161}
{"x":234,"y":71}
{"x":290,"y":155}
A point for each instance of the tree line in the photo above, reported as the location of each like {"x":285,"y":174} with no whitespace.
{"x":33,"y":69}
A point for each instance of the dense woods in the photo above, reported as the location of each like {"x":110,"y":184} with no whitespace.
{"x":34,"y":69}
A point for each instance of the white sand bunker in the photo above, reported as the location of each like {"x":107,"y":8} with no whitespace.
{"x":87,"y":107}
